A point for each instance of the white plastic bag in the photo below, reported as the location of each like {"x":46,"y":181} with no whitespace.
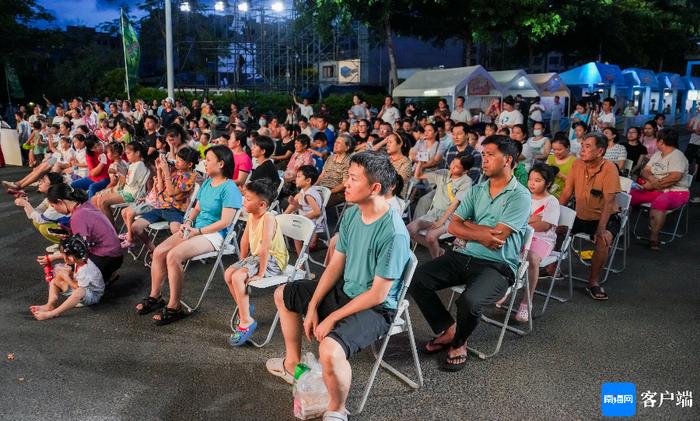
{"x":310,"y":394}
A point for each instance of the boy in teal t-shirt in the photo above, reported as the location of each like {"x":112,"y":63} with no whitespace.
{"x":353,"y":303}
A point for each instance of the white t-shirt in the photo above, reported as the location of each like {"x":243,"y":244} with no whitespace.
{"x":575,"y":147}
{"x":694,"y":137}
{"x":306,"y":110}
{"x":536,"y":112}
{"x":80,"y":156}
{"x":606,"y":120}
{"x":58,"y":119}
{"x":556,"y":111}
{"x":550,"y":215}
{"x":509,"y":118}
{"x":88,"y":276}
{"x":65,"y":155}
{"x":661,"y":166}
{"x":462,"y":115}
{"x":391,"y":114}
{"x":136,"y":178}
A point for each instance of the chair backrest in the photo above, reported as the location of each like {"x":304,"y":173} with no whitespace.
{"x":688,"y":180}
{"x":201,"y":168}
{"x":567,"y":216}
{"x":522,"y":266}
{"x":231,"y":233}
{"x":296,"y":227}
{"x":623,"y":201}
{"x":628,"y":165}
{"x":625,"y":184}
{"x":325,"y":193}
{"x":407,"y":276}
{"x":193,"y":198}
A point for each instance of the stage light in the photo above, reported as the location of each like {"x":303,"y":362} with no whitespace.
{"x":277,"y":6}
{"x":185,"y":7}
{"x":243,"y":7}
{"x":219,"y":6}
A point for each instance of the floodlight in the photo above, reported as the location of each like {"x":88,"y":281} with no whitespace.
{"x":243,"y":7}
{"x":219,"y":6}
{"x":277,"y":6}
{"x":185,"y":7}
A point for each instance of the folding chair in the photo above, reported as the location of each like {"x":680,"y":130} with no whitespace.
{"x":521,"y":279}
{"x":275,"y":206}
{"x":623,"y":201}
{"x":626,"y":184}
{"x":228,"y":247}
{"x":669,"y":235}
{"x":627,"y":168}
{"x":325,"y":193}
{"x":567,"y":217}
{"x":401,"y":323}
{"x":296,"y":227}
{"x":116,"y":211}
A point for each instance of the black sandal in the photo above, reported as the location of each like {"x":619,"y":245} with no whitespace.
{"x":150,"y":304}
{"x":597,"y":293}
{"x":456,"y":363}
{"x":437,"y":347}
{"x":170,"y":315}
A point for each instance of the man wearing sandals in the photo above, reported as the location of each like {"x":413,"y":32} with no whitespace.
{"x":492,"y":220}
{"x":353,"y":303}
{"x":594,"y":182}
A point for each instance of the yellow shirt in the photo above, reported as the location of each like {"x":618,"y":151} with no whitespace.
{"x":278,"y":248}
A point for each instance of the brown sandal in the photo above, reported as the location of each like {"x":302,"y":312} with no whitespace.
{"x":654,"y":245}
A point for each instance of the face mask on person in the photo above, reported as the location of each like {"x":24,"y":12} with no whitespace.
{"x":262,"y":122}
{"x":537,"y":132}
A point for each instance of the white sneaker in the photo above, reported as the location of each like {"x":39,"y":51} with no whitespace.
{"x":9,"y":184}
{"x":335,"y":416}
{"x":275,"y":366}
{"x":53,"y":248}
{"x":695,"y":199}
{"x":34,"y":184}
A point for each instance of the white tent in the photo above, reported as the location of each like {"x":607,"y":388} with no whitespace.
{"x":449,"y":84}
{"x":550,"y":84}
{"x":516,"y":82}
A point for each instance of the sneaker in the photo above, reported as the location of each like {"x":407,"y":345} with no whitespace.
{"x":53,"y":248}
{"x":9,"y":185}
{"x":523,"y":315}
{"x":275,"y":366}
{"x":695,"y":199}
{"x":34,"y":184}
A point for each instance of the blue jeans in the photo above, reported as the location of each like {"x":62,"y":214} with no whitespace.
{"x":92,"y":187}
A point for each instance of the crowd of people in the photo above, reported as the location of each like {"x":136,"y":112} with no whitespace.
{"x":413,"y":177}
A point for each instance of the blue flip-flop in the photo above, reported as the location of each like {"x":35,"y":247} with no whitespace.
{"x":241,"y":336}
{"x":237,"y":320}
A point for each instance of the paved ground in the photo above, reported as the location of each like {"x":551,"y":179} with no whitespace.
{"x":108,"y":362}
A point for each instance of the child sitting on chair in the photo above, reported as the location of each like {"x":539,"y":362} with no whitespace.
{"x":308,"y":203}
{"x":450,"y":187}
{"x":84,"y":283}
{"x":263,"y":254}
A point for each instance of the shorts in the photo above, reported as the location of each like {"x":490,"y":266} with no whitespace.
{"x":541,"y":247}
{"x":91,"y":296}
{"x":215,"y":239}
{"x":252,"y":264}
{"x":590,"y":227}
{"x":355,"y":332}
{"x":660,"y":200}
{"x":128,"y":197}
{"x":169,"y":215}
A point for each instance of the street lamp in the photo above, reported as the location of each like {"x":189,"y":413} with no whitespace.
{"x":243,"y":7}
{"x":636,"y":93}
{"x":277,"y":6}
{"x":185,"y":7}
{"x":219,"y":6}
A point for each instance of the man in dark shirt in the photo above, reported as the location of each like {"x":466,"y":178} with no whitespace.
{"x":262,"y":149}
{"x":169,"y":114}
{"x":150,"y":125}
{"x":196,"y":111}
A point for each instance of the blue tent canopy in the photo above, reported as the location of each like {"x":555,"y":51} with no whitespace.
{"x":594,"y":73}
{"x":691,"y":83}
{"x":640,"y":77}
{"x":670,"y":81}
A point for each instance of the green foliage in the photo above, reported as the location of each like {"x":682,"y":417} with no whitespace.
{"x":111,"y":84}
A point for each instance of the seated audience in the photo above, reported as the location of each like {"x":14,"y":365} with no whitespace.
{"x":594,"y":182}
{"x":663,"y":184}
{"x":492,"y":219}
{"x":308,"y":202}
{"x":561,"y":158}
{"x":335,"y":170}
{"x":615,"y":153}
{"x":261,"y":150}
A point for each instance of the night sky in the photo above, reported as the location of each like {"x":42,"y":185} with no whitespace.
{"x":85,"y":12}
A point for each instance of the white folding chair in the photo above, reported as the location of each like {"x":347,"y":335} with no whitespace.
{"x":116,"y":211}
{"x":401,"y":323}
{"x":325,"y":193}
{"x":669,"y":236}
{"x":625,"y":184}
{"x":521,"y":279}
{"x":275,"y":205}
{"x":295,"y":227}
{"x":567,"y":217}
{"x":627,"y":167}
{"x":623,"y":201}
{"x":228,"y":247}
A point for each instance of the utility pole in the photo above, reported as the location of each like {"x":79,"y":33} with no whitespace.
{"x":170,"y":72}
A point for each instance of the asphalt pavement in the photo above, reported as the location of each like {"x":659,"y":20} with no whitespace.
{"x":107,"y":362}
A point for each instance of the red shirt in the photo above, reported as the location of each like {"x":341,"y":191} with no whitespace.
{"x":94,"y":161}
